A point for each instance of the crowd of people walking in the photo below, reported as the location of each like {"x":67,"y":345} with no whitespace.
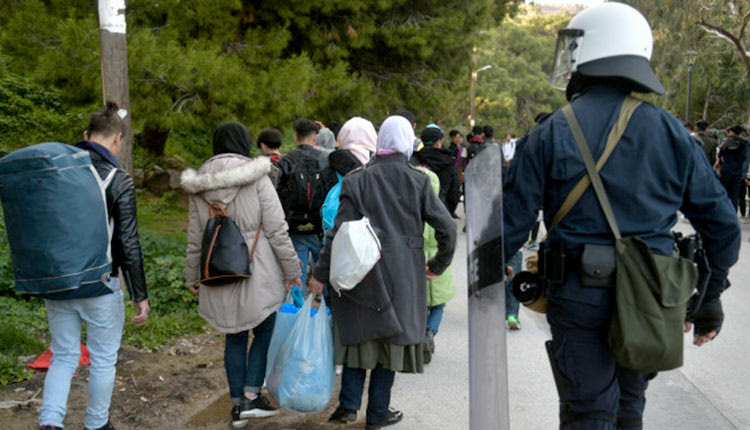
{"x":287,"y":210}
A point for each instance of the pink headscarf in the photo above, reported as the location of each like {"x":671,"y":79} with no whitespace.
{"x":359,"y":137}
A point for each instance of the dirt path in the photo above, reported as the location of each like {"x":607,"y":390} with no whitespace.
{"x":182,"y":386}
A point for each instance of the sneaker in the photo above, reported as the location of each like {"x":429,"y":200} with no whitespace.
{"x":49,"y":427}
{"x":430,"y":340}
{"x":343,"y":416}
{"x":391,"y":418}
{"x":513,"y":322}
{"x":107,"y":426}
{"x":744,"y":220}
{"x":237,"y":422}
{"x":256,"y":408}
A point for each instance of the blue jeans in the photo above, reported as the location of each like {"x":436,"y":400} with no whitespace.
{"x":104,"y":317}
{"x":434,"y":316}
{"x":379,"y":391}
{"x":246,"y":371}
{"x":511,"y":304}
{"x":306,"y":245}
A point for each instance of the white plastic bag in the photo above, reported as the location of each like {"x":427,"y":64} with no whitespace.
{"x":354,"y":252}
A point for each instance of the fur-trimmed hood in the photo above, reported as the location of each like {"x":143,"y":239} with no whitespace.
{"x":222,"y":175}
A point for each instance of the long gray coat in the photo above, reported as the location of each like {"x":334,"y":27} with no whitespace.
{"x":391,"y":302}
{"x":242,"y":184}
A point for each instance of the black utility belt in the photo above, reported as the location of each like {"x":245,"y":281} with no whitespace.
{"x":595,"y":263}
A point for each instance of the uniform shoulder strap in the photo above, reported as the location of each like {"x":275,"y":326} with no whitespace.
{"x":629,"y":106}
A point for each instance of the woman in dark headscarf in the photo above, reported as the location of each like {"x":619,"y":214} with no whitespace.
{"x":232,"y":138}
{"x":242,"y":186}
{"x":381,"y":322}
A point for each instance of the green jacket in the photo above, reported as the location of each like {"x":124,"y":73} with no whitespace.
{"x":441,"y":289}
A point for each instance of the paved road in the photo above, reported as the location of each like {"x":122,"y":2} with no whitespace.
{"x":709,"y":392}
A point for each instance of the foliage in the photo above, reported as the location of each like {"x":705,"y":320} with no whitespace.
{"x":516,"y":88}
{"x":193,"y":65}
{"x":24,"y":332}
{"x":30,"y":113}
{"x":162,"y":327}
{"x":720,"y":83}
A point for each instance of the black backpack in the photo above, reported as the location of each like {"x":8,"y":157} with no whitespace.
{"x":300,"y":187}
{"x":224,"y":255}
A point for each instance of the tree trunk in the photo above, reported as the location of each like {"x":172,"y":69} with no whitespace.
{"x":153,"y":138}
{"x":114,"y":60}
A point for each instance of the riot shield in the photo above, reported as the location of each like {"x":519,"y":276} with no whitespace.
{"x":488,"y":364}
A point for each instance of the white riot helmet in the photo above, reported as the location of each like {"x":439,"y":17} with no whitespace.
{"x":612,"y":40}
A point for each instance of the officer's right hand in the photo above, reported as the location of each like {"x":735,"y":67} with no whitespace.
{"x":707,"y":320}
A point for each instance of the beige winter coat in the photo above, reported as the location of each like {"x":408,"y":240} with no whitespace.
{"x":242,"y":184}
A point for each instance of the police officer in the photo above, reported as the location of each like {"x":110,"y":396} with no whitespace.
{"x":656,"y":170}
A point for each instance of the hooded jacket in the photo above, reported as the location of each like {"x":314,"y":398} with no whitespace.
{"x":243,"y":186}
{"x":441,"y":162}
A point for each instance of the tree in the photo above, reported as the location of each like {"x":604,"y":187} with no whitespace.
{"x":720,"y":84}
{"x":516,"y":88}
{"x":195,"y":64}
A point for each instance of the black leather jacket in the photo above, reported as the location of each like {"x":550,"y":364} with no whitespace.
{"x":126,"y":248}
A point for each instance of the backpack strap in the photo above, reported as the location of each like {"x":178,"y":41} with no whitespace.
{"x":255,"y":242}
{"x":629,"y":106}
{"x":218,"y":209}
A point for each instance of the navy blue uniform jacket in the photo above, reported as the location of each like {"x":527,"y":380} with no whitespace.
{"x":656,"y":170}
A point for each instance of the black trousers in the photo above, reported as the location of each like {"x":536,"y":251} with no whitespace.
{"x":733,"y":190}
{"x":595,"y":392}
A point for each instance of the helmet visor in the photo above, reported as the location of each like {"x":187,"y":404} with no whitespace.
{"x":566,"y":54}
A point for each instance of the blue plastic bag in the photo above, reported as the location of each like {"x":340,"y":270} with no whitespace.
{"x":300,"y":370}
{"x":285,"y":318}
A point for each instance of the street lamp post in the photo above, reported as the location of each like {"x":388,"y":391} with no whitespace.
{"x":691,"y":57}
{"x":474,"y":74}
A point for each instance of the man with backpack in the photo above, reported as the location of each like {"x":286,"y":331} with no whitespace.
{"x":100,"y":305}
{"x":299,"y":171}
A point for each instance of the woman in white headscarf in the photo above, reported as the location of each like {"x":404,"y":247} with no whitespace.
{"x":381,"y":323}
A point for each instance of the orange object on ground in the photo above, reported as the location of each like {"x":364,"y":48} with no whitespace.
{"x":43,"y":361}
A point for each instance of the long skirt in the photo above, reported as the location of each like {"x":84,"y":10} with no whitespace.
{"x":367,"y":355}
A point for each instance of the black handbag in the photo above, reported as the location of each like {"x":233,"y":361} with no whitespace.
{"x":224,"y":255}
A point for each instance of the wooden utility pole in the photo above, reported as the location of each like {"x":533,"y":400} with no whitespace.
{"x":114,"y":55}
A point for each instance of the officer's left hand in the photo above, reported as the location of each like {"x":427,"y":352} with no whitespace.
{"x":708,"y":321}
